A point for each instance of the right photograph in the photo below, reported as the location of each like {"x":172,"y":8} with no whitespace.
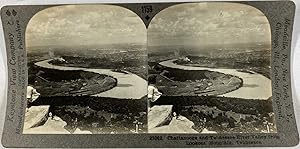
{"x":209,"y":70}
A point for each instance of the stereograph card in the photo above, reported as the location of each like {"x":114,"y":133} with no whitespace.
{"x":190,"y":74}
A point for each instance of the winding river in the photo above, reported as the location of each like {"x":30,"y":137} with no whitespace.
{"x":129,"y":85}
{"x":255,"y":86}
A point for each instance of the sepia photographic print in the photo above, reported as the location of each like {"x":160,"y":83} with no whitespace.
{"x":86,"y":71}
{"x":210,"y":66}
{"x":184,"y":74}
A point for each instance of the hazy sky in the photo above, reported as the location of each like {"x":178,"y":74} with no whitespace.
{"x":202,"y":24}
{"x":209,"y":24}
{"x":73,"y":25}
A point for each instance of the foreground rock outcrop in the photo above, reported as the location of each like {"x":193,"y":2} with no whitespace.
{"x":161,"y":120}
{"x":179,"y":125}
{"x":159,"y":115}
{"x":35,"y":116}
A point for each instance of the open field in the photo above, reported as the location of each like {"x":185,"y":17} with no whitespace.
{"x":72,"y":83}
{"x":179,"y":82}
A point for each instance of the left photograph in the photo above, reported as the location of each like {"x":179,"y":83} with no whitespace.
{"x":87,"y":71}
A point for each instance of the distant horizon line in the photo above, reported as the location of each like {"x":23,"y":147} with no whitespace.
{"x":156,"y":45}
